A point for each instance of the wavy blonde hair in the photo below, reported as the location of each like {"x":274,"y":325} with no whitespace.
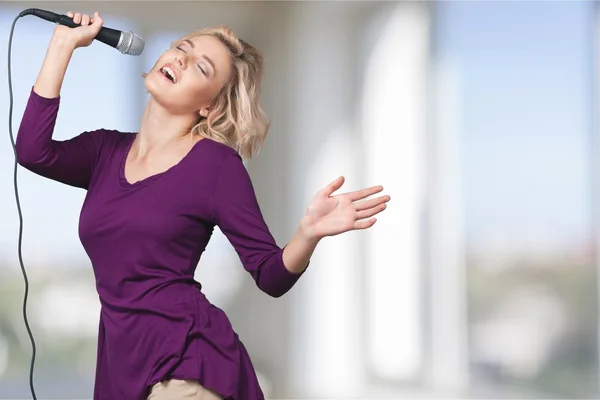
{"x":237,"y":118}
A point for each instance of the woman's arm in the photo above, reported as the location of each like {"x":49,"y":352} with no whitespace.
{"x":71,"y":161}
{"x":54,"y":67}
{"x":236,"y":212}
{"x":298,"y":252}
{"x":275,"y":270}
{"x":63,"y":43}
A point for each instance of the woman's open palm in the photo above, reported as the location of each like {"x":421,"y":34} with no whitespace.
{"x":329,"y":214}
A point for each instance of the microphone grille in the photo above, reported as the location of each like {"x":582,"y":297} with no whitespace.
{"x":130,"y":44}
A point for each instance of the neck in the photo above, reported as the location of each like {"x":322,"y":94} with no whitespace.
{"x":159,"y":128}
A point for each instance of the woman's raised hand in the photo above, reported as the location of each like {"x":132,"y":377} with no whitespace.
{"x":81,"y":36}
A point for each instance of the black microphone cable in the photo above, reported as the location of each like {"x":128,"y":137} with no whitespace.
{"x":125,"y":42}
{"x":10,"y":110}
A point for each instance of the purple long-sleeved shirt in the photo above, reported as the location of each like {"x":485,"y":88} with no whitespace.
{"x":144,"y":240}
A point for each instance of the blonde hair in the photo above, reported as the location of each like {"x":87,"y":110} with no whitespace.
{"x":236,"y":118}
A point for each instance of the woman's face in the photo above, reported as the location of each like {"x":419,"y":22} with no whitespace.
{"x":188,"y":76}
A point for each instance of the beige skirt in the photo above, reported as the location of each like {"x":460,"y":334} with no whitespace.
{"x":175,"y":389}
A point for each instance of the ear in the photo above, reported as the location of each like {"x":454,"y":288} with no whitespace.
{"x":204,"y":111}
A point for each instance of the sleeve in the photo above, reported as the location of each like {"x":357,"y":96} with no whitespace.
{"x":70,"y":161}
{"x":237,"y":214}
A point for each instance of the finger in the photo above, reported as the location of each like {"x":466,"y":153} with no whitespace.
{"x":364,"y":193}
{"x":70,"y":14}
{"x":371,"y":211}
{"x":365,"y":223}
{"x":97,"y":21}
{"x":366,"y":204}
{"x":77,"y":18}
{"x":333,"y":186}
{"x":85,"y":20}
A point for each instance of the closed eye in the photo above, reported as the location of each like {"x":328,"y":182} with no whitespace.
{"x":202,"y":69}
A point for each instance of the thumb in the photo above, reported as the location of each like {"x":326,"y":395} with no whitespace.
{"x":333,"y":186}
{"x":96,"y":22}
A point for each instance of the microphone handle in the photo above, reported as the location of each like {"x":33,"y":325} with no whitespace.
{"x":106,"y":35}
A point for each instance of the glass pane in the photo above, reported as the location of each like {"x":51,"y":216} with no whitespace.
{"x":525,"y":91}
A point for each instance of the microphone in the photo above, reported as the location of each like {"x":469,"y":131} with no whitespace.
{"x":126,"y":42}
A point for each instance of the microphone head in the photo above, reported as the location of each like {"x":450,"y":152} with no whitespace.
{"x":131,"y":44}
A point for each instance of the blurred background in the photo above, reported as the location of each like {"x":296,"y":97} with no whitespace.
{"x":479,"y":118}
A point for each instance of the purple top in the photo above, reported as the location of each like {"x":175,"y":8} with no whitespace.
{"x":144,"y":240}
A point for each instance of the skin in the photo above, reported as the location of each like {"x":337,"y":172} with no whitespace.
{"x":172,"y":109}
{"x":201,"y":67}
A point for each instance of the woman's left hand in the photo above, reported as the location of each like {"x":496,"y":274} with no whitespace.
{"x":329,"y":214}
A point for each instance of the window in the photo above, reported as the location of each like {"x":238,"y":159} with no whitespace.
{"x":521,"y":93}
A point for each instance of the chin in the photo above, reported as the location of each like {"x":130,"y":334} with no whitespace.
{"x":152,"y":82}
{"x":168,"y":96}
{"x":157,"y":89}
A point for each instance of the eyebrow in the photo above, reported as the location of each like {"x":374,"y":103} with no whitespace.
{"x":192,"y":45}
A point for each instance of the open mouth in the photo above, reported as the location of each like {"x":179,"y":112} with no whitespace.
{"x":169,"y":74}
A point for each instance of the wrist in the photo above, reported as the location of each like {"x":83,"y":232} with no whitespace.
{"x":307,"y":232}
{"x":62,"y":42}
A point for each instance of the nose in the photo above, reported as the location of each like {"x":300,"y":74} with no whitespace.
{"x":181,"y":61}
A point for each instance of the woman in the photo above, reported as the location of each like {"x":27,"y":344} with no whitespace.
{"x":153,"y":199}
